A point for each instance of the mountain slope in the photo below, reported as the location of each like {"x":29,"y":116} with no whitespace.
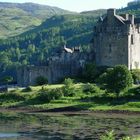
{"x":17,"y":18}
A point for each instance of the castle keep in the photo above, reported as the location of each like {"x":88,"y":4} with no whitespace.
{"x":117,"y":40}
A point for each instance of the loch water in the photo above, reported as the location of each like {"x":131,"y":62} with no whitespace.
{"x":66,"y":126}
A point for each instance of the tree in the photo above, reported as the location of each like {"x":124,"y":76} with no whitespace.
{"x":17,"y":53}
{"x":7,"y":79}
{"x":40,"y":80}
{"x":41,"y":58}
{"x":30,"y":49}
{"x":136,"y":76}
{"x":90,"y":72}
{"x":118,"y":79}
{"x":69,"y":89}
{"x":4,"y":58}
{"x":25,"y":62}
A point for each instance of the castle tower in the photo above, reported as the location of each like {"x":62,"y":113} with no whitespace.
{"x":117,"y":40}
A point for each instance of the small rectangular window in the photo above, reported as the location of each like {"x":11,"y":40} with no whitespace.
{"x":110,"y":48}
{"x":132,"y":39}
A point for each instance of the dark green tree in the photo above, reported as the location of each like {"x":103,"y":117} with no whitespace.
{"x":41,"y":80}
{"x":90,"y":72}
{"x":118,"y":79}
{"x":7,"y":79}
{"x":136,"y":76}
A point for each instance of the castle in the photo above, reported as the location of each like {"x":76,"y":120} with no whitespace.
{"x":68,"y":63}
{"x":116,"y":41}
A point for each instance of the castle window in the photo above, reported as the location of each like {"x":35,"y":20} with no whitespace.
{"x":110,"y":48}
{"x":132,"y":39}
{"x":101,"y":29}
{"x":95,"y":29}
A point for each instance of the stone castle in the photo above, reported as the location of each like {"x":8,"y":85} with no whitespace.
{"x":116,"y":41}
{"x":68,"y":63}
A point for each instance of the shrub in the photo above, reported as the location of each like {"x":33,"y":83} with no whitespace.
{"x":134,"y":104}
{"x":48,"y":95}
{"x":11,"y":97}
{"x":56,"y":93}
{"x":108,"y":136}
{"x":6,"y":80}
{"x":91,"y":88}
{"x":68,"y":82}
{"x":69,"y":89}
{"x":27,"y":89}
{"x":136,"y":76}
{"x":134,"y":91}
{"x":119,"y":78}
{"x":102,"y":79}
{"x":41,"y":80}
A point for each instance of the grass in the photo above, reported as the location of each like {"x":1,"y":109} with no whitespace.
{"x":86,"y":97}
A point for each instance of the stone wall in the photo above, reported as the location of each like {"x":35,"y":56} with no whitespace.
{"x":59,"y":67}
{"x":27,"y":75}
{"x":66,"y":65}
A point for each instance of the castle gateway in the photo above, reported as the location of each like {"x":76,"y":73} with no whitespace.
{"x":117,"y":40}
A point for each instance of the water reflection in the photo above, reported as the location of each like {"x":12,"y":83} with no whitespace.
{"x":9,"y":135}
{"x":65,"y":126}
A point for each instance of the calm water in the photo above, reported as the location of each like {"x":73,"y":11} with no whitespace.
{"x":66,"y":126}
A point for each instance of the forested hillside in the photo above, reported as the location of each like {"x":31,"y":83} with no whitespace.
{"x":132,"y":8}
{"x":17,"y":18}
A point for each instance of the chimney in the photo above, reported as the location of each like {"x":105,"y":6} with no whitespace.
{"x":111,"y":12}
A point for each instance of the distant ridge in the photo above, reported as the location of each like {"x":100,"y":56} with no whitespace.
{"x":17,"y":18}
{"x":95,"y":13}
{"x":32,"y":7}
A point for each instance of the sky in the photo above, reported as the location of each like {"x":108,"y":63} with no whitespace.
{"x":78,"y":5}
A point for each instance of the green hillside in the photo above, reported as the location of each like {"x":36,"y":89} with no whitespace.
{"x":95,"y":13}
{"x":17,"y":18}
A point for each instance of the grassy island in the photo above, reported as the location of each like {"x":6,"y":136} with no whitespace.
{"x":75,"y":97}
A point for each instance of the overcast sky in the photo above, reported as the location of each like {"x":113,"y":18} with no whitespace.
{"x":78,"y":5}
